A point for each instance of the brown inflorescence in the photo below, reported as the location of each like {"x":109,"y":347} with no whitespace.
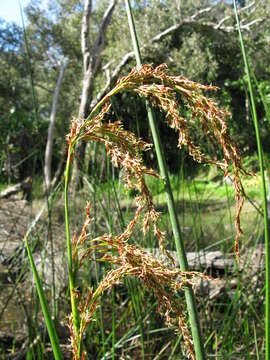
{"x":125,"y":151}
{"x":162,"y":89}
{"x":125,"y":148}
{"x":130,"y":260}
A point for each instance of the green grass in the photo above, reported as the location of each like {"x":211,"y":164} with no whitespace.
{"x":45,"y":308}
{"x":3,"y":186}
{"x":206,"y":189}
{"x":204,"y":203}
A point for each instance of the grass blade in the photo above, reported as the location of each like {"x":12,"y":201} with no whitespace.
{"x":45,"y":309}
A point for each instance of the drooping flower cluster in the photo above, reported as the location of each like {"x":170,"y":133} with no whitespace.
{"x":124,"y":150}
{"x":162,"y":90}
{"x":130,"y":260}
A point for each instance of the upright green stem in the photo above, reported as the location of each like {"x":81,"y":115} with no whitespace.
{"x":264,"y":195}
{"x":45,"y":308}
{"x":71,"y":269}
{"x":192,"y":311}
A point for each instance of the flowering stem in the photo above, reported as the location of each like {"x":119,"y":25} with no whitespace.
{"x":191,"y":306}
{"x":71,"y":270}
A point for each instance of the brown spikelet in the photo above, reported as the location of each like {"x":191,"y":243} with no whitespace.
{"x":124,"y":149}
{"x":73,"y":339}
{"x":182,"y":325}
{"x":87,"y":220}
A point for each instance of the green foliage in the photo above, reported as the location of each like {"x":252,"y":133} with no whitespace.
{"x":19,"y":146}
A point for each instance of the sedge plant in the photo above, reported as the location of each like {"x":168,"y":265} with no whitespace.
{"x":125,"y":151}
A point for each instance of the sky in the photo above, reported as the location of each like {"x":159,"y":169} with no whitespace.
{"x":10,"y":9}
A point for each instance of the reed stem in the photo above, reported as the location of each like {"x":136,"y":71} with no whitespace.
{"x":192,"y":311}
{"x":264,"y":195}
{"x":71,"y":269}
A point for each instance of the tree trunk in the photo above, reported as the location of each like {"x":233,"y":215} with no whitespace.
{"x":61,"y":163}
{"x":49,"y":145}
{"x":91,"y":61}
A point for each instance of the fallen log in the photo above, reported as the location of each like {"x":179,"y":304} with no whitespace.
{"x":25,"y":186}
{"x":215,"y":262}
{"x":210,"y":261}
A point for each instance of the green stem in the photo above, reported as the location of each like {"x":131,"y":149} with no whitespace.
{"x":72,"y":271}
{"x":45,"y":308}
{"x":264,"y":195}
{"x":192,"y":311}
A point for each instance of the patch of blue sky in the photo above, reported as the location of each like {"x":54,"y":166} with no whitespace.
{"x":10,"y":10}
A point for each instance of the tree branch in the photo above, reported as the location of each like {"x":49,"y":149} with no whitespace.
{"x":113,"y":77}
{"x":99,"y":43}
{"x":91,"y":61}
{"x":202,"y":11}
{"x":49,"y":144}
{"x":190,"y":20}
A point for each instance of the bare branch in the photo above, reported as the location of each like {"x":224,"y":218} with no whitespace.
{"x":233,"y":28}
{"x":247,"y":7}
{"x":175,"y":27}
{"x":222,"y":21}
{"x":127,"y":57}
{"x":251,"y":23}
{"x":112,"y":79}
{"x":91,"y":61}
{"x":166,"y":32}
{"x":229,"y":29}
{"x":85,"y":45}
{"x":202,"y":11}
{"x":193,"y":19}
{"x":49,"y":144}
{"x":99,"y":44}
